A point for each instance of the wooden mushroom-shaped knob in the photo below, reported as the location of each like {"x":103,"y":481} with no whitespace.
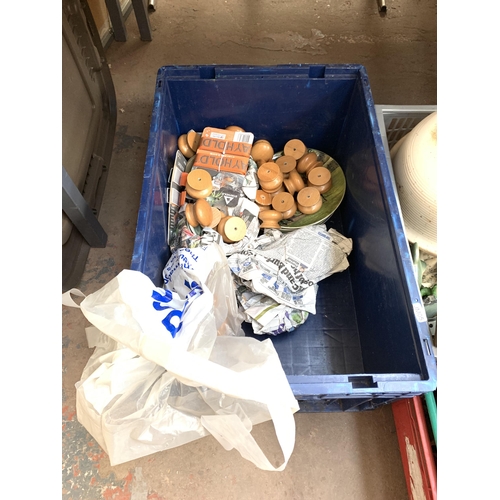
{"x":295,"y":148}
{"x":190,"y":215}
{"x":235,"y":128}
{"x":193,"y":140}
{"x":232,"y":229}
{"x":284,"y":203}
{"x":203,"y":212}
{"x":199,"y":183}
{"x":263,"y":200}
{"x":286,"y":164}
{"x":182,"y":144}
{"x":270,"y":219}
{"x":308,"y":162}
{"x":270,"y":177}
{"x":200,"y":213}
{"x":262,"y":151}
{"x":294,"y":183}
{"x":320,"y":178}
{"x":309,"y":200}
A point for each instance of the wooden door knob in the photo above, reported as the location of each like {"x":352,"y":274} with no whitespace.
{"x":203,"y":212}
{"x":309,"y":200}
{"x":286,"y":164}
{"x":182,"y":144}
{"x":263,"y":200}
{"x":294,"y":183}
{"x":199,"y":183}
{"x":193,"y":140}
{"x":270,"y":177}
{"x":190,"y":215}
{"x":295,"y":148}
{"x":262,"y":151}
{"x":285,"y":203}
{"x":308,"y":162}
{"x":270,"y":219}
{"x":200,"y":213}
{"x":320,"y":178}
{"x":233,"y":229}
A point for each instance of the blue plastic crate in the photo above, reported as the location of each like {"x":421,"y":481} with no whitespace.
{"x":369,"y":341}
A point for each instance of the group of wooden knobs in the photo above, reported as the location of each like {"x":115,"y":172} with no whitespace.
{"x":293,"y":182}
{"x":199,"y":186}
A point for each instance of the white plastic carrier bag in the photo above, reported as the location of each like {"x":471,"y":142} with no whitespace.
{"x":172,"y":365}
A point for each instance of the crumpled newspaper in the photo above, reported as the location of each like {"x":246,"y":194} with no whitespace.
{"x":285,"y":268}
{"x":266,"y":315}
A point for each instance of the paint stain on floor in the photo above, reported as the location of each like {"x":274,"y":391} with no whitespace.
{"x":81,"y":479}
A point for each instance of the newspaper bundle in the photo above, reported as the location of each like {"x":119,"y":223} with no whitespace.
{"x":286,"y":267}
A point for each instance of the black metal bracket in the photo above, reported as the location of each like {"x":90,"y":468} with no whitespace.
{"x":80,"y":214}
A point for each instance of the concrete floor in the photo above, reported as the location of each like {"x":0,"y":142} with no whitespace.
{"x":351,"y":456}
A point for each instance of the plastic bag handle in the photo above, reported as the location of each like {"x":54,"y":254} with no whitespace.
{"x":67,"y":300}
{"x":231,"y":432}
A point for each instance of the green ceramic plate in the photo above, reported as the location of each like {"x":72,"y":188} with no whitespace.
{"x":331,"y":199}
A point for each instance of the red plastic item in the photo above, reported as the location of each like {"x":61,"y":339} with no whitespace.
{"x":414,"y":444}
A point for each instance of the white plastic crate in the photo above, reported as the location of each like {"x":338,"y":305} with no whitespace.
{"x":394,"y":123}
